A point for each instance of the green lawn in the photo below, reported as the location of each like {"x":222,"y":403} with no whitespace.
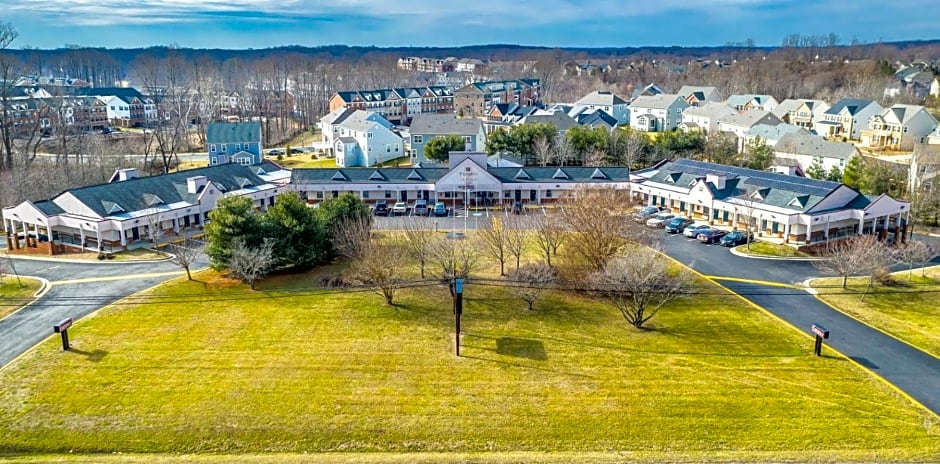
{"x":760,"y":248}
{"x":909,"y":312}
{"x":16,"y":292}
{"x":210,"y":367}
{"x":303,"y":161}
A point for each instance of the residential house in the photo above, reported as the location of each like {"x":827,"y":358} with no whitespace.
{"x":770,"y":134}
{"x":899,"y":128}
{"x":595,"y":119}
{"x":751,"y":101}
{"x":478,"y":98}
{"x":364,"y":138}
{"x":132,"y":209}
{"x":924,"y":169}
{"x":796,"y":209}
{"x":650,"y":90}
{"x":426,"y":127}
{"x":126,"y":107}
{"x":397,"y":105}
{"x":847,"y":117}
{"x":698,"y":95}
{"x":607,"y":101}
{"x":658,"y":113}
{"x":808,"y":149}
{"x":739,"y":123}
{"x":705,"y":117}
{"x":801,"y":112}
{"x":234,"y":142}
{"x":466,"y":179}
{"x":559,"y":119}
{"x":573,"y":68}
{"x":84,"y":113}
{"x":503,"y":115}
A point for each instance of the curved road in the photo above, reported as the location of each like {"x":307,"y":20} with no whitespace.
{"x":76,"y":290}
{"x":915,"y":372}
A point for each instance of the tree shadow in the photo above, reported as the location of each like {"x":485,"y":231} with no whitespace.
{"x":864,"y":362}
{"x":521,"y":348}
{"x":93,"y":356}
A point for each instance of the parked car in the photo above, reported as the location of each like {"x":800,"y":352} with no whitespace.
{"x":695,"y":229}
{"x":420,"y":208}
{"x":400,"y":209}
{"x":276,"y":151}
{"x":642,"y":215}
{"x":440,"y":209}
{"x":659,"y":219}
{"x":677,"y":224}
{"x":297,"y":151}
{"x":711,"y":235}
{"x":381,"y":209}
{"x":738,"y":237}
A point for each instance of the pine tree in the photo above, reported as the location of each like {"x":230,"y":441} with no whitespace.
{"x":852,"y":176}
{"x":816,"y":170}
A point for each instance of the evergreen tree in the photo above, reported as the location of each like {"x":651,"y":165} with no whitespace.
{"x":835,"y":174}
{"x":854,"y":170}
{"x":233,"y":218}
{"x":439,"y":148}
{"x":300,"y":239}
{"x":759,"y":155}
{"x":816,"y":170}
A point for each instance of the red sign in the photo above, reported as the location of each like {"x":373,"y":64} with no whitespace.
{"x":820,"y":330}
{"x":62,"y":326}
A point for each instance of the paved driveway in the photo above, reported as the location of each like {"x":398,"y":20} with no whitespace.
{"x":913,"y":371}
{"x":77,"y":290}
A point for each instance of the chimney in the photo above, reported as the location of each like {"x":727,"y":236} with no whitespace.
{"x":126,"y":174}
{"x":718,"y":180}
{"x":195,"y":184}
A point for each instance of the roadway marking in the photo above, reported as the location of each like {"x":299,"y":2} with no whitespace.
{"x":113,"y":278}
{"x":53,"y":267}
{"x":752,"y":281}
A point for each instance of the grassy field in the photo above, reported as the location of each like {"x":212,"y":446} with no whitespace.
{"x":16,"y":292}
{"x":760,"y":248}
{"x":210,"y":367}
{"x":909,"y":312}
{"x":303,"y":161}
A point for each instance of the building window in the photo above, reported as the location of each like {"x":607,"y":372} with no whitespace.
{"x":365,"y":194}
{"x":417,"y":139}
{"x":369,"y":135}
{"x":319,"y":195}
{"x":388,"y":194}
{"x":388,"y":148}
{"x":222,"y":147}
{"x":466,"y":139}
{"x":212,"y":147}
{"x":396,"y":148}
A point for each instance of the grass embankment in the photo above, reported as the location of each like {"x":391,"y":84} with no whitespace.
{"x":16,"y":292}
{"x":303,"y":161}
{"x":908,"y":311}
{"x":780,"y":250}
{"x":210,"y":367}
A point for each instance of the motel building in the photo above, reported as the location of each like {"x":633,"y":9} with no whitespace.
{"x":466,"y":181}
{"x":131,"y":210}
{"x":798,"y":210}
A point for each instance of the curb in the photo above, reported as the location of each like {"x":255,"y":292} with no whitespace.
{"x":735,"y":252}
{"x":90,"y":261}
{"x":44,"y":287}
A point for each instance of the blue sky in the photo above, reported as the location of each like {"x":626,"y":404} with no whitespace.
{"x":562,"y":23}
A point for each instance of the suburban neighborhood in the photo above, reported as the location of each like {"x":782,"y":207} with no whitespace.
{"x":471,"y":254}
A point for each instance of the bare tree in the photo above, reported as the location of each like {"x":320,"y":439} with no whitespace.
{"x":542,"y":150}
{"x":564,"y":152}
{"x":598,"y":232}
{"x":915,"y":252}
{"x":862,"y":254}
{"x":531,"y":281}
{"x":639,"y":284}
{"x":454,"y":258}
{"x":495,"y":240}
{"x":251,"y":263}
{"x":380,"y":265}
{"x":353,"y":237}
{"x":185,"y":254}
{"x":9,"y":71}
{"x":154,"y":224}
{"x":516,"y":238}
{"x":418,"y":241}
{"x":548,"y":233}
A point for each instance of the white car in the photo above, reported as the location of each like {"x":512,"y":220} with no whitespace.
{"x":400,"y":209}
{"x":659,"y":220}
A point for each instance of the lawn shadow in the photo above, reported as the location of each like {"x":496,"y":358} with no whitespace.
{"x":521,"y":348}
{"x":93,"y":356}
{"x":864,"y":362}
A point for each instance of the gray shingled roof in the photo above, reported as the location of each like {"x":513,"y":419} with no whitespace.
{"x":780,"y":190}
{"x":602,"y":98}
{"x":659,"y":102}
{"x":140,"y":193}
{"x":774,"y":132}
{"x":814,"y":145}
{"x":558,"y":119}
{"x":233,"y":132}
{"x":445,"y":124}
{"x":750,"y":118}
{"x":714,"y":110}
{"x":854,"y":105}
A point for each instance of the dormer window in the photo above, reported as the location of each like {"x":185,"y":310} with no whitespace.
{"x":598,"y":174}
{"x":376,"y":175}
{"x":560,"y":174}
{"x":152,"y":200}
{"x":413,"y":175}
{"x":338,"y":176}
{"x":522,"y":175}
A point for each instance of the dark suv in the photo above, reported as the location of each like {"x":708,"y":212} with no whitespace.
{"x":678,"y":225}
{"x":381,"y":209}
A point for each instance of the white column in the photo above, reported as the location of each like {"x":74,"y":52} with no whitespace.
{"x":786,"y":233}
{"x":98,"y":236}
{"x":123,"y":234}
{"x":861,"y":224}
{"x":81,"y":232}
{"x":809,"y":230}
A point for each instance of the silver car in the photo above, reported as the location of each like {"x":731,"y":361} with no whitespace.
{"x":659,"y":220}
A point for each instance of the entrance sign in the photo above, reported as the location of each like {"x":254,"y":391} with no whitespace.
{"x":63,"y":328}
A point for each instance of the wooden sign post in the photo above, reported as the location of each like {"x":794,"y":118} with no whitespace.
{"x":822,"y":333}
{"x":63,"y":328}
{"x":458,"y":310}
